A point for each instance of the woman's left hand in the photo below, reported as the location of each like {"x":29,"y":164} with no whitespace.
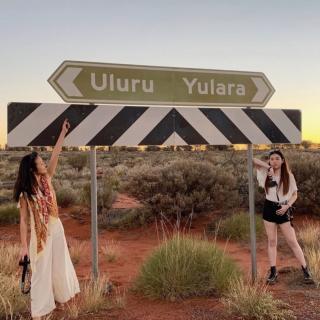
{"x":65,"y":126}
{"x":283,"y":210}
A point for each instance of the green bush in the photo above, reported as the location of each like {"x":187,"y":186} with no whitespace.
{"x":78,"y":161}
{"x":85,"y":194}
{"x":306,"y":170}
{"x":125,"y":218}
{"x":9,"y":214}
{"x":184,"y":266}
{"x":6,"y":195}
{"x":236,"y":227}
{"x":66,"y":197}
{"x":183,"y":186}
{"x":106,"y":193}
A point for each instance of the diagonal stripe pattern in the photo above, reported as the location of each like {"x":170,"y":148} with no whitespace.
{"x":38,"y":124}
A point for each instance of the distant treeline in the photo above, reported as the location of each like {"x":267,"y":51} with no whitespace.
{"x":305,"y":144}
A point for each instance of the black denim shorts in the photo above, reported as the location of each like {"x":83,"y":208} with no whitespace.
{"x":269,"y":213}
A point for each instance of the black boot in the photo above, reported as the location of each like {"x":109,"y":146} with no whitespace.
{"x":272,"y":276}
{"x":306,"y":274}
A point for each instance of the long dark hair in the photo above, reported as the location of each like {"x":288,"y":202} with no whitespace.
{"x":284,"y":177}
{"x":26,"y":180}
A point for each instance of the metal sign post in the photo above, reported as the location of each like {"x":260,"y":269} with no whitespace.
{"x":94,"y":217}
{"x":252,"y":215}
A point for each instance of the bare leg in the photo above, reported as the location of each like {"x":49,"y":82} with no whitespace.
{"x":291,"y":239}
{"x":271,"y":229}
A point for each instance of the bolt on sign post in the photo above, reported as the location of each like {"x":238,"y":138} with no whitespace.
{"x":118,"y":125}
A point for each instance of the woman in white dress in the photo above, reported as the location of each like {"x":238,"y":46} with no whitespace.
{"x":53,"y":275}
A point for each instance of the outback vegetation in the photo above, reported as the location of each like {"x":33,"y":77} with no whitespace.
{"x":171,"y":191}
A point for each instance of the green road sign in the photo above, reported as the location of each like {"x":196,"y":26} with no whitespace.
{"x":88,"y":82}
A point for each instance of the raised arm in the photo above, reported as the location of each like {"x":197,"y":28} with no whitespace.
{"x":57,"y":148}
{"x":260,"y":164}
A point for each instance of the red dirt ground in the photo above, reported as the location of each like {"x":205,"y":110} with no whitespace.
{"x":135,"y":245}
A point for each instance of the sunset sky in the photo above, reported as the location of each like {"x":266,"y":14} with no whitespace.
{"x":278,"y":38}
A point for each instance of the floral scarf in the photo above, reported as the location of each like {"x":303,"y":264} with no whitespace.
{"x":43,"y":205}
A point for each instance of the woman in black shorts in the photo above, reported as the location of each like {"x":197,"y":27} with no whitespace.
{"x":281,"y":192}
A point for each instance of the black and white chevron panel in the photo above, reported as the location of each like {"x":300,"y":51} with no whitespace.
{"x":39,"y":124}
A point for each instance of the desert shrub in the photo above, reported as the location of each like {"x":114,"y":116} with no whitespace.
{"x":152,"y":148}
{"x":241,"y":173}
{"x":168,"y":148}
{"x":236,"y":227}
{"x":184,"y":266}
{"x":5,"y":196}
{"x":78,"y":161}
{"x":70,"y":174}
{"x":120,"y":170}
{"x":132,"y":149}
{"x":134,"y":161}
{"x":66,"y":197}
{"x":9,"y":214}
{"x":183,"y":186}
{"x":125,"y":218}
{"x":254,"y":302}
{"x":184,"y":148}
{"x":85,"y":194}
{"x":115,"y":156}
{"x":106,"y":193}
{"x":11,"y":173}
{"x":307,"y":173}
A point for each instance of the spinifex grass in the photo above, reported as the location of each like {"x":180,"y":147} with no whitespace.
{"x":185,"y":266}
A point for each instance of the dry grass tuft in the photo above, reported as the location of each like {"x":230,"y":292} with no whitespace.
{"x":77,"y":250}
{"x":110,"y":250}
{"x":253,"y":301}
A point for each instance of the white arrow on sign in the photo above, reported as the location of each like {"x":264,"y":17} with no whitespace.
{"x":263,"y":90}
{"x":66,"y":81}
